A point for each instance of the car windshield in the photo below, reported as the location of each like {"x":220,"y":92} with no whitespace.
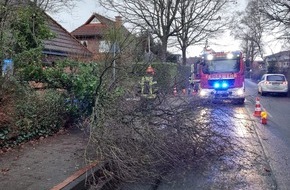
{"x":221,"y":66}
{"x":275,"y":78}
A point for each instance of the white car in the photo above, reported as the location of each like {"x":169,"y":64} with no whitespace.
{"x":273,"y":83}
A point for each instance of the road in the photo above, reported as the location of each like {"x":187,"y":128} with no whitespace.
{"x":254,"y":162}
{"x":275,"y":136}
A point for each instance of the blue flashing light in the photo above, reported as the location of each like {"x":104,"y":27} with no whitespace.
{"x":225,"y":85}
{"x":221,"y":85}
{"x":216,"y":85}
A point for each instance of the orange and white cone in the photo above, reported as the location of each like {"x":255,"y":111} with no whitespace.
{"x":258,"y":109}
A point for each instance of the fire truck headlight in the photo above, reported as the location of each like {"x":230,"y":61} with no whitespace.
{"x":230,"y":55}
{"x":202,"y":92}
{"x":240,"y":92}
{"x":209,"y":57}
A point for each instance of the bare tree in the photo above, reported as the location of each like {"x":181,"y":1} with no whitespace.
{"x":250,"y":27}
{"x":276,"y":10}
{"x":55,"y":6}
{"x":198,"y":20}
{"x":277,"y":13}
{"x":157,"y":16}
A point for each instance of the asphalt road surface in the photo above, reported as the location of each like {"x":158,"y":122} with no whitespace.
{"x":275,"y":136}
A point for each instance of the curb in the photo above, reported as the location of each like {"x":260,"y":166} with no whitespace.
{"x":81,"y":178}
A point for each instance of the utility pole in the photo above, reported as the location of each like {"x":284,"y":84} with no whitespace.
{"x":114,"y":61}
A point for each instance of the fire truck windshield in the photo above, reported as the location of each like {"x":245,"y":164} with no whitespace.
{"x":221,"y":66}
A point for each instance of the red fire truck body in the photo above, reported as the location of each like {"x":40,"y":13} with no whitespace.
{"x":221,"y":75}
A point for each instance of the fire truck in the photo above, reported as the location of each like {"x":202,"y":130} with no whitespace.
{"x":220,"y":76}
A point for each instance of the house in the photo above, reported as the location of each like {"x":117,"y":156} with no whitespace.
{"x":93,"y":34}
{"x":63,"y":45}
{"x":280,"y":61}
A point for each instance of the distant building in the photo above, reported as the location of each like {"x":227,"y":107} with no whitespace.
{"x":174,"y":58}
{"x":93,"y":34}
{"x":281,"y":61}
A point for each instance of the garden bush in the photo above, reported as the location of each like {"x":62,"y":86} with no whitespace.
{"x":29,"y":114}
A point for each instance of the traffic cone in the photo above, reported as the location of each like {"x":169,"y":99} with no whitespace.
{"x":258,"y":110}
{"x":264,"y":117}
{"x":174,"y":91}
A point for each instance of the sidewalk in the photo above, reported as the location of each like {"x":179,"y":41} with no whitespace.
{"x":44,"y":163}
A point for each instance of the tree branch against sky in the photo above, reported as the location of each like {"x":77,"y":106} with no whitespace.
{"x":54,"y":6}
{"x":276,"y":10}
{"x":277,"y":13}
{"x":250,"y":27}
{"x":157,"y":16}
{"x":199,"y":20}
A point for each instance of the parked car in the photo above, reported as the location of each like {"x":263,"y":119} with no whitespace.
{"x":273,"y":83}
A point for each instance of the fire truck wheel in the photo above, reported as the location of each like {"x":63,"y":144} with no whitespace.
{"x":240,"y":101}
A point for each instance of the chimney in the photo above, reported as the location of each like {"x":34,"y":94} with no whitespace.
{"x":118,"y":21}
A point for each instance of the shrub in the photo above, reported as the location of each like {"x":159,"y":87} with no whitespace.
{"x":40,"y":113}
{"x":10,"y":91}
{"x":34,"y":114}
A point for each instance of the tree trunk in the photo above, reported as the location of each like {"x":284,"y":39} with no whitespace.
{"x":164,"y":50}
{"x":183,"y":49}
{"x":252,"y":54}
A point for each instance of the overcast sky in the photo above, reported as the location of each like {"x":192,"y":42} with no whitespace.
{"x":85,"y":8}
{"x":80,"y":14}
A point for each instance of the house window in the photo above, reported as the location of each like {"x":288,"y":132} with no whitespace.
{"x":95,"y":21}
{"x":104,"y":46}
{"x":84,"y":42}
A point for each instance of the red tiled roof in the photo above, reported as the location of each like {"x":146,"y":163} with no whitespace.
{"x":90,"y":30}
{"x":93,"y":29}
